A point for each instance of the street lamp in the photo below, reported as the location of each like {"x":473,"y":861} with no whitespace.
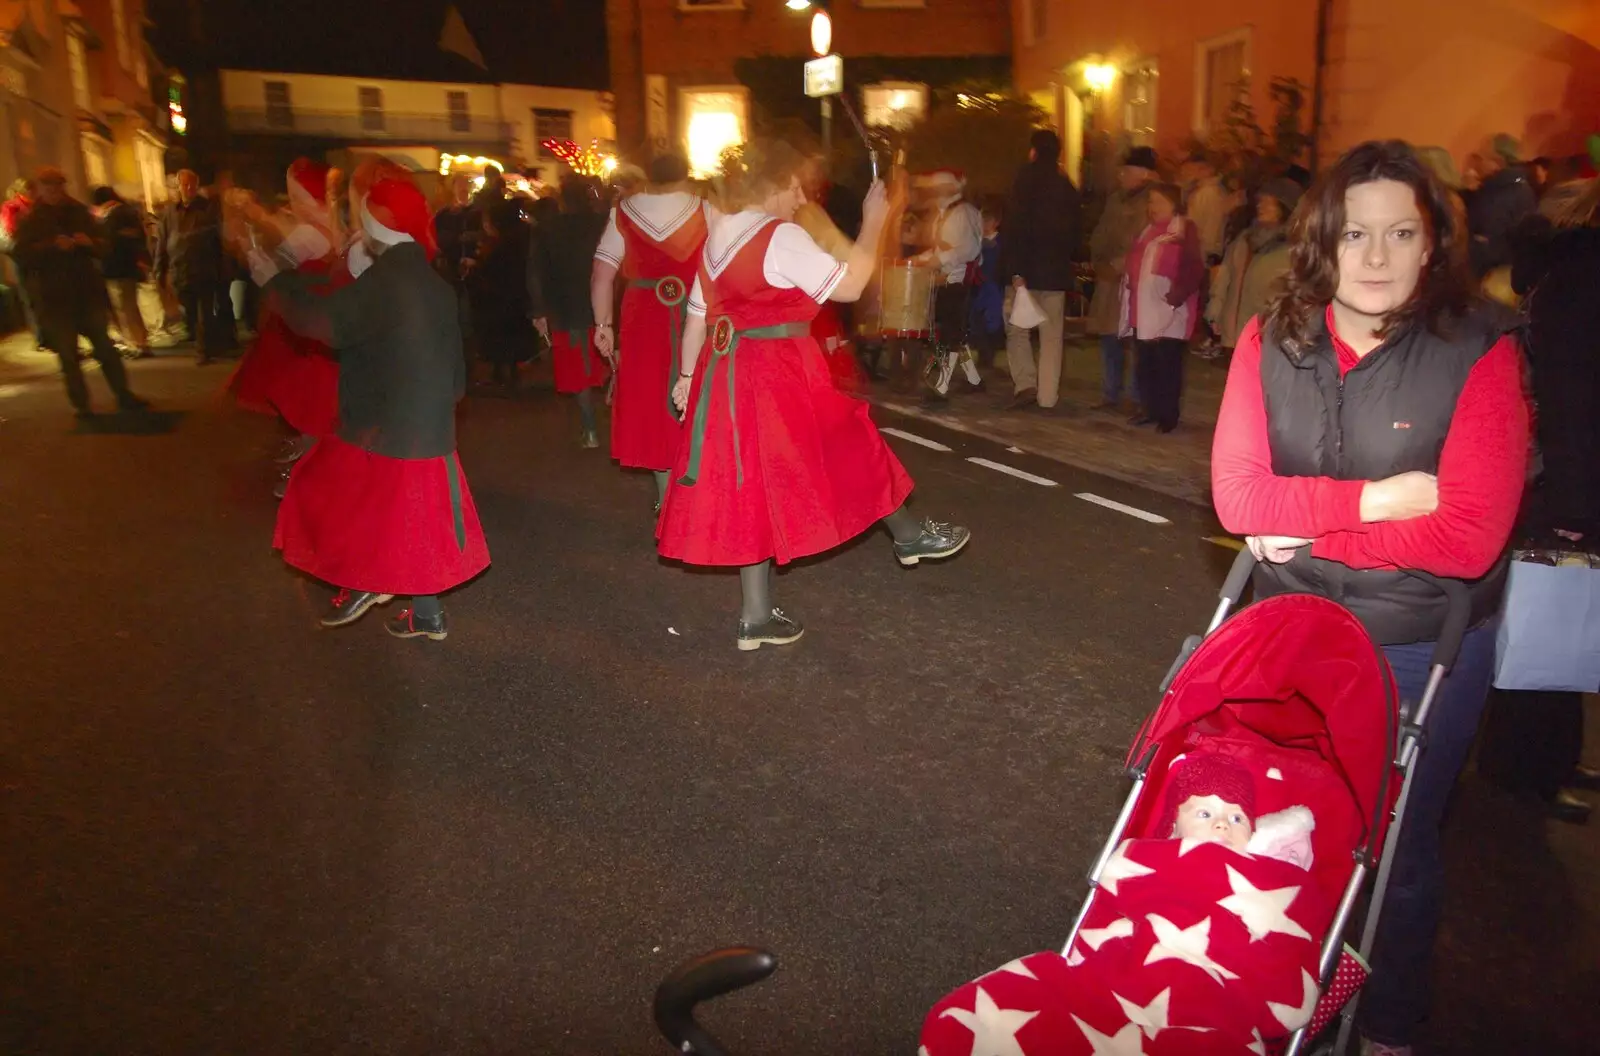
{"x":797,"y":5}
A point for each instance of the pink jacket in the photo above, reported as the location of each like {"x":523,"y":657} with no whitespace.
{"x":1161,"y":283}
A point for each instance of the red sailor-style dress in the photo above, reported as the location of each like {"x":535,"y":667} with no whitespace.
{"x":577,"y":364}
{"x":777,"y":462}
{"x":659,"y":263}
{"x":287,"y":374}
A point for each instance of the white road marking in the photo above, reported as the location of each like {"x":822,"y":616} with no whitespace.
{"x":1015,"y":450}
{"x":1225,"y":541}
{"x":1131,"y":511}
{"x":1013,"y":472}
{"x":932,"y":445}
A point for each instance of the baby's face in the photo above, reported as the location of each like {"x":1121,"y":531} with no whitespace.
{"x":1208,"y":818}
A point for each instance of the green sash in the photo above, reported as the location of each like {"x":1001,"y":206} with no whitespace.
{"x":672,"y":292}
{"x":724,"y":343}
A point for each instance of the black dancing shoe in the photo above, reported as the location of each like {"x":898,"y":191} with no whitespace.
{"x":409,"y":625}
{"x":938,"y":540}
{"x":778,"y":630}
{"x":348,"y":606}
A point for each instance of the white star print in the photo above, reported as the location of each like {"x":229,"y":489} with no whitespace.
{"x":994,"y":1029}
{"x":1074,"y":957}
{"x":1259,"y":1045}
{"x":1016,"y":967}
{"x":1119,"y":868}
{"x":1291,"y":1016}
{"x":1263,"y":912}
{"x":1189,"y":843}
{"x":1151,"y":1018}
{"x":1124,"y":1042}
{"x":1185,"y":944}
{"x":1094,"y":938}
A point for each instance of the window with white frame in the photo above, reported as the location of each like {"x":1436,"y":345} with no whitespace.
{"x":1221,"y":69}
{"x":551,"y":124}
{"x":371,"y":100}
{"x":94,"y":161}
{"x":78,"y":63}
{"x":280,"y":107}
{"x":893,"y":104}
{"x":1139,"y":86}
{"x":460,"y":111}
{"x":713,"y":119}
{"x":119,"y":28}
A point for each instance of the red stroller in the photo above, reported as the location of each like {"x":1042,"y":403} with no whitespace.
{"x":1293,"y":688}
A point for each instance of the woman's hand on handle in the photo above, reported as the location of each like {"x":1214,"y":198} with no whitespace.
{"x":1275,"y":549}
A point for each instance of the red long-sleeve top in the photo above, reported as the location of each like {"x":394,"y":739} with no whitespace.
{"x":1482,"y":469}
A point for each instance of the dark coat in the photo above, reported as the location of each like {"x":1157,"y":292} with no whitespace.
{"x":60,"y":278}
{"x":1558,"y":270}
{"x":1040,"y":231}
{"x":129,"y":252}
{"x":397,"y":336}
{"x":559,"y":269}
{"x":502,"y":307}
{"x":1505,"y":200}
{"x":189,"y":244}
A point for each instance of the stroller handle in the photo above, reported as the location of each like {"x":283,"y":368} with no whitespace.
{"x":1238,"y":578}
{"x":1458,"y":613}
{"x":701,"y":979}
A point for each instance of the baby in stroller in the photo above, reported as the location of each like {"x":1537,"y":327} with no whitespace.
{"x":1202,"y":942}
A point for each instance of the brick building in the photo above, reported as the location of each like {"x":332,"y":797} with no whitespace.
{"x":698,"y":75}
{"x":1444,"y":72}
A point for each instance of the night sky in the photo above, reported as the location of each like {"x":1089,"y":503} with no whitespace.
{"x":396,"y":38}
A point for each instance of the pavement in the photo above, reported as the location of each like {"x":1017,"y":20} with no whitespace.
{"x":226,"y":831}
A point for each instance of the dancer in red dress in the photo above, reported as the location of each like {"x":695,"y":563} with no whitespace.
{"x":654,"y":238}
{"x":564,"y":246}
{"x":284,"y":373}
{"x":381,"y":507}
{"x":778,"y":463}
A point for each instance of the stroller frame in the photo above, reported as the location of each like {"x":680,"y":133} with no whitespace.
{"x":1409,"y":743}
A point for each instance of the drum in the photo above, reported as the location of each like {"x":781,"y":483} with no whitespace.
{"x":907,"y":293}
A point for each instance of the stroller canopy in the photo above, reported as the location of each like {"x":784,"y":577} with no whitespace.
{"x":1297,"y":672}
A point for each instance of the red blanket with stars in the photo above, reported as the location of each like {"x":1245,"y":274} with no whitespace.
{"x":1190,"y":948}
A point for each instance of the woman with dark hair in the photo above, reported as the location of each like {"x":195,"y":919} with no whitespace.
{"x":1161,"y":303}
{"x":1374,"y":422}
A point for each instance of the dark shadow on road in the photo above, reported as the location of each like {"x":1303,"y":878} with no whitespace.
{"x":130,"y":423}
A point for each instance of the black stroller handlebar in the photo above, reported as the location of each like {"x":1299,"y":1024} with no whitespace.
{"x":1458,"y":597}
{"x":701,"y":979}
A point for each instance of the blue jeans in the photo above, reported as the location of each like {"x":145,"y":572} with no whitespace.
{"x":1394,"y":1002}
{"x":1113,"y":366}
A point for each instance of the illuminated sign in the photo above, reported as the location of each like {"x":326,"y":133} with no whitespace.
{"x":825,"y":76}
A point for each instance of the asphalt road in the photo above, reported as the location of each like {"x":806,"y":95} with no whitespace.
{"x":226,"y":831}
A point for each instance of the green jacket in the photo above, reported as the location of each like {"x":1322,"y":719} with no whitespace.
{"x":1247,"y":280}
{"x":397,"y":336}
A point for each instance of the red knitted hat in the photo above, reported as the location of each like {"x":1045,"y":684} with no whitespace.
{"x":399,"y":206}
{"x":1207,"y":774}
{"x":311,"y":177}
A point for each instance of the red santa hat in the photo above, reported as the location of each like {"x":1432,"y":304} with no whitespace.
{"x":395,"y":211}
{"x":310,"y":179}
{"x":1207,"y":774}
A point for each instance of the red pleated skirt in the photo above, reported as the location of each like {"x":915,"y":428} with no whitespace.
{"x":644,"y":428}
{"x":363,"y":521}
{"x":839,"y":350}
{"x":577,"y":366}
{"x":289,"y":375}
{"x":816,"y":473}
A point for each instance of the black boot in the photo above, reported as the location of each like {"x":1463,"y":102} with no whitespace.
{"x":778,"y":629}
{"x":348,"y":606}
{"x":409,"y":625}
{"x":936,"y":541}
